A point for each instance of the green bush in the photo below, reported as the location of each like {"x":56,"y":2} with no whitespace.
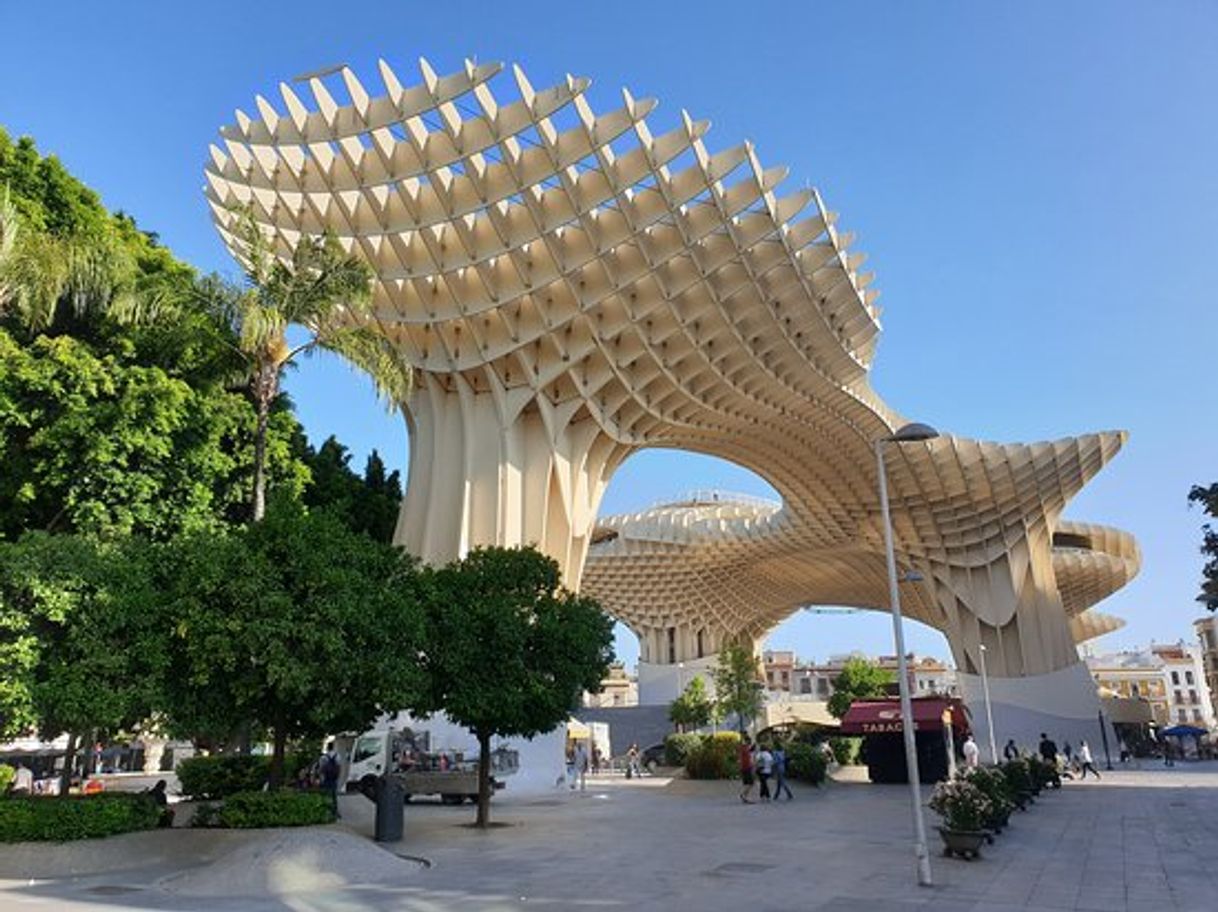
{"x":219,"y":777}
{"x":7,"y":774}
{"x":805,"y":763}
{"x":1019,"y":778}
{"x":75,"y":817}
{"x":677,"y":747}
{"x":845,"y":749}
{"x":715,"y":758}
{"x":993,"y":784}
{"x":281,"y":808}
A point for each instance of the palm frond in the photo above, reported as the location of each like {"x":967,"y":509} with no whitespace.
{"x":376,"y":356}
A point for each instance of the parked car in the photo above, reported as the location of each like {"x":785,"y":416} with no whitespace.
{"x":652,"y":757}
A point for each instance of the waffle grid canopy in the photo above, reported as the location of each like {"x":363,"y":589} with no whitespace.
{"x":571,"y":287}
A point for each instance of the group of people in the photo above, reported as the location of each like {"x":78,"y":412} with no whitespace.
{"x":762,"y":764}
{"x":1068,"y":764}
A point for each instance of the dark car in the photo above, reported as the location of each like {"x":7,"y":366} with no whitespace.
{"x":652,"y":757}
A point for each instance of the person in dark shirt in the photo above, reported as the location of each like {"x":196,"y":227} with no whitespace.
{"x":1048,"y":752}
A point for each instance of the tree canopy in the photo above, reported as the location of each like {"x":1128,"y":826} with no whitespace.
{"x":859,"y":679}
{"x":693,"y":708}
{"x":296,"y":623}
{"x":1208,"y":498}
{"x":738,"y":687}
{"x":509,"y":650}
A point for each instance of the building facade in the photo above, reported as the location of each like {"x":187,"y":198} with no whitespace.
{"x":619,"y":688}
{"x":1169,"y":677}
{"x":787,"y":676}
{"x":1207,"y":639}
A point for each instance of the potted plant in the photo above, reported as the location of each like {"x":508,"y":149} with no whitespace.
{"x":1019,"y":781}
{"x":965,"y":810}
{"x":993,"y":784}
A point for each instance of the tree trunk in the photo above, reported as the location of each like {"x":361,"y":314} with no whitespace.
{"x":69,"y":758}
{"x":484,"y":779}
{"x":265,"y":386}
{"x":274,"y":777}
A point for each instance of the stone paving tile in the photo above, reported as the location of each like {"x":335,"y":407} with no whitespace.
{"x":1134,"y":841}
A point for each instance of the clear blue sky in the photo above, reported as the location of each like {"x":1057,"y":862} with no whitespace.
{"x":1036,"y":185}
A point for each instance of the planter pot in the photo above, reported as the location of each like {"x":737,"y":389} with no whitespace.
{"x":964,"y":844}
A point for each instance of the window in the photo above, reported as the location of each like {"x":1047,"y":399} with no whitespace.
{"x":1175,"y":677}
{"x":1182,"y":715}
{"x":805,"y":686}
{"x":700,"y":652}
{"x":1179,"y":697}
{"x":1192,"y":697}
{"x":368,"y":746}
{"x":1135,"y":690}
{"x":1188,"y":678}
{"x":1196,"y":715}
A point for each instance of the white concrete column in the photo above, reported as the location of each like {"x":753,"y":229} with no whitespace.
{"x":502,"y":467}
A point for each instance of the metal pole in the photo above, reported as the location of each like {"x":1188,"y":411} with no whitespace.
{"x":1104,"y":737}
{"x":989,"y":716}
{"x":907,"y":721}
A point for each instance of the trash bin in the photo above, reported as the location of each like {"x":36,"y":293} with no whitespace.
{"x":390,"y":809}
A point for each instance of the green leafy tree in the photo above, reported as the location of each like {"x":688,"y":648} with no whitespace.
{"x":296,"y":623}
{"x":78,"y":644}
{"x":509,"y":651}
{"x":693,"y":708}
{"x":369,"y":504}
{"x":319,"y":288}
{"x":98,"y":444}
{"x":738,"y":684}
{"x":1208,"y":498}
{"x":859,"y":679}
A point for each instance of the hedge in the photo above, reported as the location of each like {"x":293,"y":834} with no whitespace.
{"x":219,"y":777}
{"x":75,"y":817}
{"x":717,"y":757}
{"x":678,"y":747}
{"x":805,"y":763}
{"x":7,"y":775}
{"x":252,"y":810}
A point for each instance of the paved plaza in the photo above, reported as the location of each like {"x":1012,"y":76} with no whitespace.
{"x":1137,"y":840}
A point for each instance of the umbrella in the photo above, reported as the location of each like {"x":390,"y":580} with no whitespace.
{"x":1184,"y":731}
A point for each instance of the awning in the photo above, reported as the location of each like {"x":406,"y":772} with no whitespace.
{"x":1184,"y":731}
{"x":577,"y":731}
{"x":879,"y":717}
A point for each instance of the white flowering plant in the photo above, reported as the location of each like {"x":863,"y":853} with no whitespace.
{"x":962,"y":805}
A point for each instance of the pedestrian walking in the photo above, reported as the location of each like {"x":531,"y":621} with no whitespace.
{"x":780,"y":773}
{"x":765,"y":768}
{"x":632,"y":761}
{"x":330,"y":769}
{"x":1084,"y":761}
{"x":581,"y":766}
{"x":745,"y":756}
{"x":1048,"y":753}
{"x":972,"y":754}
{"x":1010,"y":752}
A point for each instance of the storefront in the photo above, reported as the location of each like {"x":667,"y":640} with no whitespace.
{"x":940,"y":726}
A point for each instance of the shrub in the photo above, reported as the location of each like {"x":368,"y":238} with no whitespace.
{"x":678,"y":747}
{"x":7,"y":774}
{"x":715,"y":758}
{"x":993,"y":784}
{"x":845,"y":749}
{"x":1018,"y":777}
{"x":281,"y":808}
{"x":218,"y":777}
{"x":962,"y":805}
{"x":75,"y":817}
{"x":805,"y":763}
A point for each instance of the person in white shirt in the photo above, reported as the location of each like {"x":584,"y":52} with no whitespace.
{"x":23,"y":780}
{"x":765,"y":766}
{"x":1084,"y":761}
{"x":972,"y":755}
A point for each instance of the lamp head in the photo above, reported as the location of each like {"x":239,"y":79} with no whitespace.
{"x":913,"y":432}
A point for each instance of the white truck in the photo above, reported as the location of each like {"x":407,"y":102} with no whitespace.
{"x":426,"y":756}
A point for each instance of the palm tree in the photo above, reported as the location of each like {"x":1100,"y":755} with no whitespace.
{"x":40,"y":272}
{"x":317,"y":286}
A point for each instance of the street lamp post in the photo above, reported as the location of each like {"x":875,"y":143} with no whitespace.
{"x":989,"y":715}
{"x":908,"y":434}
